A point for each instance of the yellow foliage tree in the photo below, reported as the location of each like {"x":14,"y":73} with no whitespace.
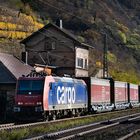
{"x":13,"y":34}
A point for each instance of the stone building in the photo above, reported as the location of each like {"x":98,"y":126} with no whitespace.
{"x":54,"y":46}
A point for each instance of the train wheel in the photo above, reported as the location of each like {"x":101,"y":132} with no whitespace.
{"x":77,"y":114}
{"x":46,"y":117}
{"x":54,"y":117}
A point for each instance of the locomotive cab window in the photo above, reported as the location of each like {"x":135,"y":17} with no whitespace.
{"x":34,"y":86}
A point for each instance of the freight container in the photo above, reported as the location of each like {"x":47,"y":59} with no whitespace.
{"x":99,"y":92}
{"x":121,"y":95}
{"x":134,"y":94}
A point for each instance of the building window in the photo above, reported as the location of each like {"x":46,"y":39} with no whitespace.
{"x":50,"y":44}
{"x":86,"y":64}
{"x":53,"y":45}
{"x":80,"y":62}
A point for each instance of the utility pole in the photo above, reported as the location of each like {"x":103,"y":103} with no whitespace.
{"x":105,"y":61}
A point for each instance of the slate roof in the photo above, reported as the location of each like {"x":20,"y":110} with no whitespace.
{"x":65,"y":32}
{"x":6,"y":76}
{"x":12,"y":68}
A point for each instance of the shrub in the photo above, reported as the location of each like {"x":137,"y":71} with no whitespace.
{"x":121,"y":27}
{"x":81,"y":39}
{"x":16,"y":3}
{"x":122,"y":36}
{"x":13,"y":34}
{"x":111,"y":57}
{"x":99,"y":64}
{"x":92,"y":34}
{"x":129,"y":76}
{"x":134,"y":39}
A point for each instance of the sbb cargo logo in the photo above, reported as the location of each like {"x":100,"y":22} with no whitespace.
{"x":65,"y":95}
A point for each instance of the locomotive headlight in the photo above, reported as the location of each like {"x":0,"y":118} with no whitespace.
{"x":20,"y":103}
{"x":39,"y":103}
{"x":16,"y":109}
{"x":38,"y":109}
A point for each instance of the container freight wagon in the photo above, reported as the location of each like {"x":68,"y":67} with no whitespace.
{"x":134,"y":97}
{"x":99,"y":93}
{"x":120,"y":95}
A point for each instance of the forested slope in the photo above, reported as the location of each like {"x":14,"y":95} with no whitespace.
{"x":89,"y":20}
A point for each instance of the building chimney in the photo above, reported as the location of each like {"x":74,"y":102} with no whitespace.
{"x":61,"y":24}
{"x":25,"y":57}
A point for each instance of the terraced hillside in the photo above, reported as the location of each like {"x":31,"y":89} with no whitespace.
{"x":15,"y":26}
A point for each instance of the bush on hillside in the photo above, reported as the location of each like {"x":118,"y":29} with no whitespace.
{"x":129,"y":76}
{"x":111,"y":57}
{"x":133,"y":39}
{"x":13,"y":34}
{"x":121,"y":27}
{"x":122,"y":36}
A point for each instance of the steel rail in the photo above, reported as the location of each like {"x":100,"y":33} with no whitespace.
{"x":129,"y":135}
{"x":6,"y":125}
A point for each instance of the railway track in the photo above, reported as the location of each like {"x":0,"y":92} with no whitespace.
{"x":20,"y":126}
{"x":6,"y":125}
{"x":82,"y":131}
{"x":12,"y":126}
{"x":130,"y":135}
{"x":128,"y":130}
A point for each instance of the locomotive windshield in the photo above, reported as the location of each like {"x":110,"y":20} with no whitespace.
{"x":30,"y":87}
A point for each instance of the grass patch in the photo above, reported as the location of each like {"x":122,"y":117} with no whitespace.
{"x":14,"y":135}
